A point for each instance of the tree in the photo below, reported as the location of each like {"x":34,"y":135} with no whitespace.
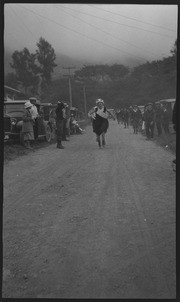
{"x":11,"y":80}
{"x":46,"y":58}
{"x":25,"y":68}
{"x":174,"y":49}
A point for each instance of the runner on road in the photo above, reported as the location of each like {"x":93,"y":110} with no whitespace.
{"x":100,"y":122}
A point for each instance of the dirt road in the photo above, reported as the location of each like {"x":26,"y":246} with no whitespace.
{"x":88,"y":223}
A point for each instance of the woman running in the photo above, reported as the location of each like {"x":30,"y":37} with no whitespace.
{"x":100,"y":122}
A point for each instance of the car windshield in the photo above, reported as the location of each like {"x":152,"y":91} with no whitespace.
{"x":15,"y":110}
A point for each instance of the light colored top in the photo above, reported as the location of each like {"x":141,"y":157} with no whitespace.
{"x":34,"y":112}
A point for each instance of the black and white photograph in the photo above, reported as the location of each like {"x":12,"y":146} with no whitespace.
{"x":89,"y":150}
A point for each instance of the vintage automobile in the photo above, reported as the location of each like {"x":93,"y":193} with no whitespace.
{"x":13,"y":113}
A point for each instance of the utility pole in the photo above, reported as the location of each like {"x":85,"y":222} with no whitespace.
{"x":69,"y":80}
{"x":85,"y":107}
{"x":80,"y":81}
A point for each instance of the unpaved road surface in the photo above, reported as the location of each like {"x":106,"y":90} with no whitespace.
{"x":88,"y":223}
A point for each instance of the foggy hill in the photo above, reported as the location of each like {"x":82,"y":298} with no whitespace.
{"x":61,"y":61}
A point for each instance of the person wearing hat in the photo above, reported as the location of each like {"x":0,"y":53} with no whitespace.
{"x":27,"y":126}
{"x":158,"y":117}
{"x":118,"y":116}
{"x":59,"y":123}
{"x":35,"y":115}
{"x":100,"y":123}
{"x":165,"y":118}
{"x":126,"y":117}
{"x":130,"y":115}
{"x":136,"y":116}
{"x":65,"y":122}
{"x":149,"y":118}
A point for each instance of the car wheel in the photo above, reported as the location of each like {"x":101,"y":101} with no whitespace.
{"x":21,"y":138}
{"x":48,"y":136}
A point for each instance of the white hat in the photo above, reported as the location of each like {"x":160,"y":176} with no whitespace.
{"x":99,"y":101}
{"x":27,"y":105}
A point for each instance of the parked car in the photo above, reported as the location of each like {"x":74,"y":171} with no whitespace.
{"x":13,"y":114}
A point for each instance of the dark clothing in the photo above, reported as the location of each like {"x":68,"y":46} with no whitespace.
{"x":136,"y":116}
{"x":149,"y":130}
{"x":158,"y":115}
{"x":159,"y":128}
{"x":118,"y":116}
{"x":158,"y":120}
{"x":174,"y":116}
{"x":165,"y":121}
{"x":100,"y":124}
{"x":59,"y":112}
{"x":126,"y":118}
{"x":149,"y":118}
{"x":36,"y":128}
{"x":64,"y":129}
{"x":59,"y":123}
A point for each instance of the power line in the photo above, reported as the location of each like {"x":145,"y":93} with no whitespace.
{"x":18,"y":18}
{"x":144,"y":22}
{"x":13,"y":37}
{"x":122,"y":24}
{"x":100,"y":42}
{"x":109,"y":33}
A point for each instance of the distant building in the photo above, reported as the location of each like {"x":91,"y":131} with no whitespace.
{"x":11,"y":94}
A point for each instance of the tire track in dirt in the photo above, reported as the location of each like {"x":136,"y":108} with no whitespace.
{"x":49,"y":173}
{"x":129,"y":183}
{"x":139,"y":216}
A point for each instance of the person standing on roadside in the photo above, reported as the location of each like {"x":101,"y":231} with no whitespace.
{"x":126,"y":118}
{"x":118,"y":116}
{"x":65,"y":122}
{"x":149,"y":118}
{"x":130,"y":115}
{"x":165,"y":119}
{"x":35,"y":115}
{"x":59,"y":124}
{"x":136,"y":117}
{"x":158,"y":117}
{"x":27,"y":126}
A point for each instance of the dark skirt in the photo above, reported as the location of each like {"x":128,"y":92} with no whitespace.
{"x":100,"y":125}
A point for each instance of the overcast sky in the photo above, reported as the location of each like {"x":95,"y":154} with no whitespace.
{"x":95,"y":33}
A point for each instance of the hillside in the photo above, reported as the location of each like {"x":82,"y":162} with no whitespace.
{"x":61,"y":61}
{"x":117,"y":84}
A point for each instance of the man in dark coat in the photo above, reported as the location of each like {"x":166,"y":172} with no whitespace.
{"x":59,"y":123}
{"x":65,"y":120}
{"x":136,"y":116}
{"x":165,"y":119}
{"x":158,"y":117}
{"x":126,"y":118}
{"x":149,"y":118}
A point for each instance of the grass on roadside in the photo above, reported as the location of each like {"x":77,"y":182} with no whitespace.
{"x":13,"y":149}
{"x":167,"y":141}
